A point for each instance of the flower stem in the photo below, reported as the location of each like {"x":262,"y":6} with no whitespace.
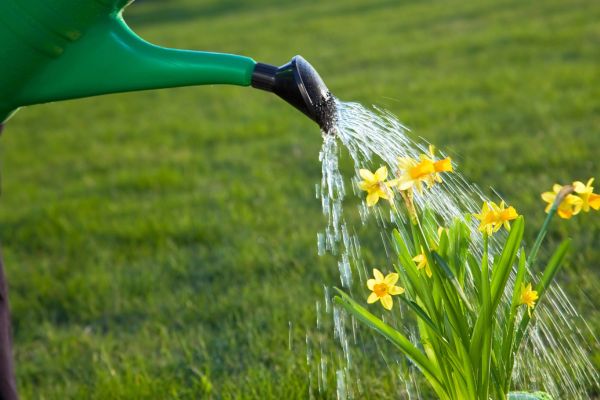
{"x":565,"y":191}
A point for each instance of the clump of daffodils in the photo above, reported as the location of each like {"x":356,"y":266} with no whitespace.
{"x":472,"y":317}
{"x":570,"y":200}
{"x":412,"y":173}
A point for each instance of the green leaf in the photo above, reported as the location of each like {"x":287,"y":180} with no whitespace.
{"x":553,"y":266}
{"x":474,"y":266}
{"x":424,"y":317}
{"x":419,"y":285}
{"x":549,"y":273}
{"x":403,"y":250}
{"x":450,"y":300}
{"x":509,"y":334}
{"x":507,"y":258}
{"x":487,"y":325}
{"x":448,"y":273}
{"x":398,"y":339}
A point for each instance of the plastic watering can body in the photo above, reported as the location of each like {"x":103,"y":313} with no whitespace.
{"x":54,"y":50}
{"x":66,"y":49}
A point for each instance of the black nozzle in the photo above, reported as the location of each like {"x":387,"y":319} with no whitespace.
{"x":298,"y":83}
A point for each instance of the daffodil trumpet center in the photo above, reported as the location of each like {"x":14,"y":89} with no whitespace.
{"x":422,"y":169}
{"x":380,"y":289}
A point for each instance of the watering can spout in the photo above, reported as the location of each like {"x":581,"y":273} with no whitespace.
{"x":298,"y":83}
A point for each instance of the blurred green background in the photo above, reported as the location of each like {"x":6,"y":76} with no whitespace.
{"x":163,"y":244}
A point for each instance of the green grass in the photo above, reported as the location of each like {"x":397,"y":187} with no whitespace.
{"x":161,"y":244}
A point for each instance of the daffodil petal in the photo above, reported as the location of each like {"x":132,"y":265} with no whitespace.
{"x":579,"y":187}
{"x":371,"y":283}
{"x":381,"y":174}
{"x":444,"y":165}
{"x":378,"y":275}
{"x":391,"y":279}
{"x":405,"y":184}
{"x":428,"y":271}
{"x":387,"y":302}
{"x":548,"y":197}
{"x":511,"y":213}
{"x":364,"y":185}
{"x":565,"y":214}
{"x":372,"y":199}
{"x":366,"y":175}
{"x":594,"y":201}
{"x":405,"y":163}
{"x":384,"y":194}
{"x":395,"y":290}
{"x":372,"y":298}
{"x":573,"y":200}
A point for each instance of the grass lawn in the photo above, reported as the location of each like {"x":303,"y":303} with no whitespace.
{"x":163,"y":244}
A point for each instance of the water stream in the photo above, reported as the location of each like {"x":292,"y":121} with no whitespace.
{"x":555,"y":357}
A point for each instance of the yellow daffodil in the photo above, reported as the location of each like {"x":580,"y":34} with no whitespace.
{"x":415,"y":172}
{"x":444,"y":165}
{"x":504,"y":215}
{"x":383,"y":288}
{"x":487,"y":218}
{"x":528,"y":297}
{"x":494,"y":216}
{"x":569,"y":206}
{"x":376,"y":186}
{"x":587,"y":195}
{"x":424,"y":170}
{"x":421,"y":261}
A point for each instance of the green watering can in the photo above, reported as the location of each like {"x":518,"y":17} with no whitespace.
{"x":54,"y":50}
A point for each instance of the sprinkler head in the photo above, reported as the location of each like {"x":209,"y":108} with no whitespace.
{"x":298,"y":83}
